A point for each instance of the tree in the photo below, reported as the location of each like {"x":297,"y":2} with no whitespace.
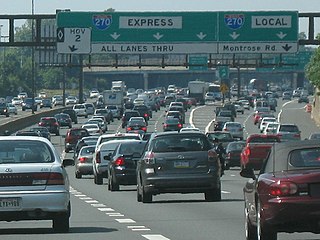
{"x":313,"y":68}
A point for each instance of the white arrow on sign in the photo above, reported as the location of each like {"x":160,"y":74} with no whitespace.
{"x":281,"y":35}
{"x":115,"y":35}
{"x":158,"y":36}
{"x":234,"y":35}
{"x":201,"y":35}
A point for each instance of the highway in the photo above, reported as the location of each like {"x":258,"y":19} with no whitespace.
{"x":100,"y":214}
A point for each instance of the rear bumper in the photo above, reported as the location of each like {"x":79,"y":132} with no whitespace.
{"x":181,"y":184}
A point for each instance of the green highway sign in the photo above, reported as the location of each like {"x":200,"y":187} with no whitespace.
{"x":177,"y":32}
{"x":146,"y":32}
{"x":198,"y":62}
{"x":258,"y":32}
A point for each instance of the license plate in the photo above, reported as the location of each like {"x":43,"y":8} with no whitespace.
{"x":181,"y":164}
{"x":9,"y":203}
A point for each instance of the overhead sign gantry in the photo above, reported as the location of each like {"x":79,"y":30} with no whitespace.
{"x":177,"y":32}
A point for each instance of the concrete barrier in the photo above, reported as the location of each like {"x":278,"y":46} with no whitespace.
{"x":26,"y":121}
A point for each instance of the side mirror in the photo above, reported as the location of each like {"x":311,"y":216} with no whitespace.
{"x":68,"y":162}
{"x":248,"y":173}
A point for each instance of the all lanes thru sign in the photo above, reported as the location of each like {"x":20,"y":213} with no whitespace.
{"x":146,"y":32}
{"x":74,"y":40}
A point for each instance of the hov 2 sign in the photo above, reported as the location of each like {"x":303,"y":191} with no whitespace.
{"x":74,"y":40}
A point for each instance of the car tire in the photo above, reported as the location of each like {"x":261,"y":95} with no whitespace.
{"x":146,"y":197}
{"x":98,"y":179}
{"x":78,"y":175}
{"x":57,"y":134}
{"x":213,"y":195}
{"x":60,"y":223}
{"x":264,"y":231}
{"x":250,"y":230}
{"x":113,"y":185}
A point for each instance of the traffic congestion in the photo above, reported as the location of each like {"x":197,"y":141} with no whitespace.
{"x":130,"y":156}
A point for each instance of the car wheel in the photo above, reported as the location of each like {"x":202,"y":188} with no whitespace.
{"x":66,"y":150}
{"x":78,"y":175}
{"x":250,"y":230}
{"x":114,"y":186}
{"x":146,"y":197}
{"x":60,"y":223}
{"x":213,"y":195}
{"x":264,"y":232}
{"x":98,"y":179}
{"x":57,"y":134}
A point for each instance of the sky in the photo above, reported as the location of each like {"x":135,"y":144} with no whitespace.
{"x":50,"y":6}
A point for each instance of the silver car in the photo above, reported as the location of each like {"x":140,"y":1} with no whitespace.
{"x":34,"y":184}
{"x":235,"y":128}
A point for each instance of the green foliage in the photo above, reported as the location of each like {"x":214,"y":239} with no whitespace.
{"x":313,"y":68}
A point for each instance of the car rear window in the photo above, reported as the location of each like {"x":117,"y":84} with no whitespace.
{"x":264,"y":140}
{"x":305,"y":158}
{"x":288,"y":128}
{"x":180,"y":143}
{"x":22,"y":151}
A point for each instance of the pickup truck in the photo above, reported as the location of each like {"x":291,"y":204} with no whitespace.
{"x":257,"y":150}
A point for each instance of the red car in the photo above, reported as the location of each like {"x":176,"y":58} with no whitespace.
{"x":285,"y":195}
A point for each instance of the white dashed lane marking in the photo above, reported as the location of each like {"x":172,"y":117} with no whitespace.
{"x":111,"y":213}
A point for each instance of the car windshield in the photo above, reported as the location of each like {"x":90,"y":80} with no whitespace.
{"x":180,"y":143}
{"x":24,"y":151}
{"x":288,"y":128}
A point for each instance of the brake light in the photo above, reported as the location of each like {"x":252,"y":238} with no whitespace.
{"x":283,"y":188}
{"x":149,"y":158}
{"x":120,"y":161}
{"x":41,"y":124}
{"x":212,"y":155}
{"x":179,"y":125}
{"x":144,"y":129}
{"x":129,"y":129}
{"x":225,"y":129}
{"x":247,"y":152}
{"x":55,"y":179}
{"x":297,"y":135}
{"x":165,"y":125}
{"x":98,"y":158}
{"x":146,"y":115}
{"x":83,"y":159}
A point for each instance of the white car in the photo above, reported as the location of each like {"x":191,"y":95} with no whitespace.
{"x":34,"y":182}
{"x":245,"y":104}
{"x":57,"y":100}
{"x":71,"y":100}
{"x":16,"y":101}
{"x":115,"y":111}
{"x":94,"y":94}
{"x":265,"y":121}
{"x":239,"y":108}
{"x":93,"y":128}
{"x":271,"y":128}
{"x":80,"y":109}
{"x":209,"y":97}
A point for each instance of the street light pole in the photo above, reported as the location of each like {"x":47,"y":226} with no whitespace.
{"x":32,"y":59}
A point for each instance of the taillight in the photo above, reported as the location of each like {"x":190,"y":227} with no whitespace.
{"x":179,"y":125}
{"x":83,"y":159}
{"x":55,"y":179}
{"x":225,"y":129}
{"x":247,"y":152}
{"x":165,"y":125}
{"x":119,"y":161}
{"x":144,"y":129}
{"x":41,"y":124}
{"x":212,"y":155}
{"x":149,"y":158}
{"x":283,"y":188}
{"x":146,"y":115}
{"x":297,"y":135}
{"x":98,"y":158}
{"x":56,"y":124}
{"x":129,"y":129}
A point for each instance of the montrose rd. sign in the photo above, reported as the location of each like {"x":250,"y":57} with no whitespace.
{"x":177,"y":32}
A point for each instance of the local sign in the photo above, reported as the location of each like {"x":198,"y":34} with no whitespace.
{"x":177,"y":32}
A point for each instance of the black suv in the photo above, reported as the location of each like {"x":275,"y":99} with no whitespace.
{"x":179,"y":162}
{"x":72,"y":113}
{"x":28,"y":103}
{"x":4,"y":109}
